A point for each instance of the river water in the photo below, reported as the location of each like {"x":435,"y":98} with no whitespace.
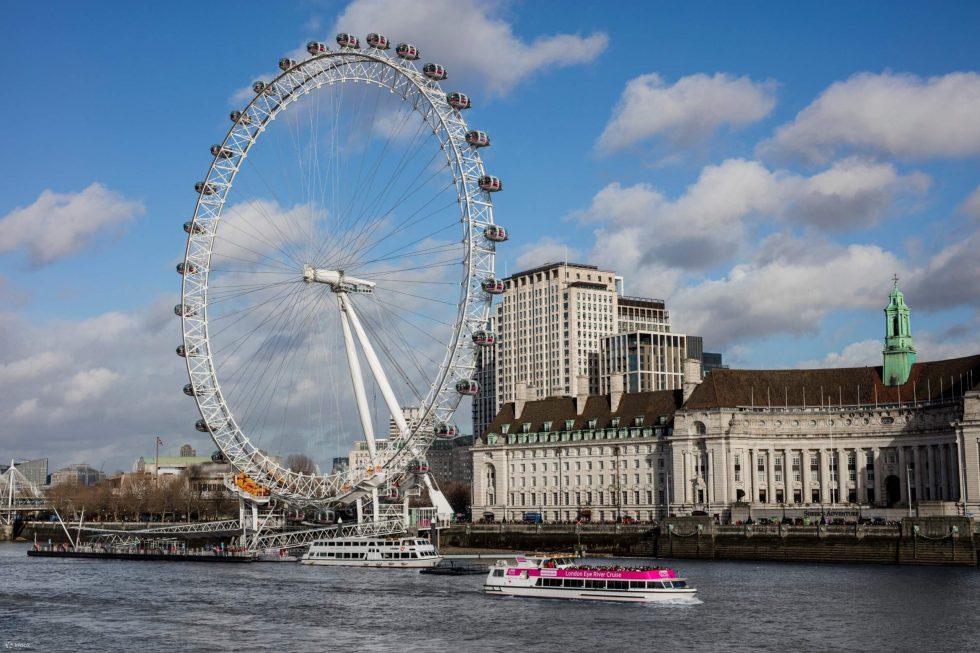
{"x":110,"y":605}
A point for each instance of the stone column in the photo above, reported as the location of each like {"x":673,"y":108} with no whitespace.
{"x":750,"y":475}
{"x":860,"y":464}
{"x":771,"y":476}
{"x":918,"y":478}
{"x":944,"y":472}
{"x":878,"y":482}
{"x":902,"y":475}
{"x":824,"y":476}
{"x":805,"y":473}
{"x":931,"y":476}
{"x":687,"y":478}
{"x":712,"y":477}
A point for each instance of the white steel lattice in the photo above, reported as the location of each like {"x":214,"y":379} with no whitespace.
{"x":426,"y":98}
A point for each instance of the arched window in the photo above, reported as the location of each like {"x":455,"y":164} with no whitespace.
{"x":490,"y":476}
{"x":699,"y":428}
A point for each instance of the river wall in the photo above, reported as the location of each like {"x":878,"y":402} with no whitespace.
{"x":913,"y":541}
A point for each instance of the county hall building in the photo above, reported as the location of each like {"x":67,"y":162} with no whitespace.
{"x":851,"y":442}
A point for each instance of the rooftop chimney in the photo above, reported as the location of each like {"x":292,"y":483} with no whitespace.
{"x":520,"y":398}
{"x":615,"y":392}
{"x":582,"y":393}
{"x":692,"y":376}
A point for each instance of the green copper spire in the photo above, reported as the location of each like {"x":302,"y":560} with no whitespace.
{"x":899,"y":352}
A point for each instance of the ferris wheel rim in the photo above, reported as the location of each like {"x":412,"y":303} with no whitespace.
{"x":472,"y":306}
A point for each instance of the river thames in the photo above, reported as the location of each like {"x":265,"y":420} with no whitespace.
{"x":108,"y":605}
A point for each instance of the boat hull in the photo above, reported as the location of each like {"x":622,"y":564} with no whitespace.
{"x":396,"y":564}
{"x":621,"y":596}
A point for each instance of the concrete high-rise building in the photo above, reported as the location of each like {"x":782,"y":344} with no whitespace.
{"x":550,"y":324}
{"x":646,"y":361}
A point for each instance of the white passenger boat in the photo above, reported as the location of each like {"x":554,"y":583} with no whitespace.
{"x":559,"y":577}
{"x":406,"y":552}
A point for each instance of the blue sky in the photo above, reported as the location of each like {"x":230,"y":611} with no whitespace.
{"x":765,"y":167}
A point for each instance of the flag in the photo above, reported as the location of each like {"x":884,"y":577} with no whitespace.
{"x":159,"y":441}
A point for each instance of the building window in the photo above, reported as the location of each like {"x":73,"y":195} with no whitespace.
{"x":738,"y":467}
{"x":761,"y":463}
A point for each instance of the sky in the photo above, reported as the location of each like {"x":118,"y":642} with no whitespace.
{"x":764,"y":167}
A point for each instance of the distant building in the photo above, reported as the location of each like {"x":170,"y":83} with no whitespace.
{"x":36,"y":471}
{"x":187,"y":451}
{"x":711,"y":361}
{"x":450,"y":460}
{"x":339,"y":464}
{"x":78,"y":474}
{"x":170,"y":465}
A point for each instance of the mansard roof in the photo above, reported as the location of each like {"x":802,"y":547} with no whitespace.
{"x":947,"y":379}
{"x":649,"y":405}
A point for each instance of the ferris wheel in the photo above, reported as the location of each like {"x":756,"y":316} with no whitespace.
{"x":338,"y":277}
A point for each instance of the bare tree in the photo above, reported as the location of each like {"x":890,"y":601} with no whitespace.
{"x":300,"y":463}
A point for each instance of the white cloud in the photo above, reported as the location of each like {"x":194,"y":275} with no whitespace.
{"x":971,"y":205}
{"x":32,"y":367}
{"x":57,"y":225}
{"x":856,"y":354}
{"x":688,"y":111}
{"x":26,"y":408}
{"x":89,"y":384}
{"x":476,"y":46}
{"x":789,"y":287}
{"x":715,"y":218}
{"x":897,"y":114}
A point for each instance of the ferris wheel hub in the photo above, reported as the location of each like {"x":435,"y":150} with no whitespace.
{"x":337,"y":280}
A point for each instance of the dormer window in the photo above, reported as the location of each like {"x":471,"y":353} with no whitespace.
{"x":569,"y":423}
{"x":592,"y":423}
{"x":638,"y":420}
{"x":504,"y":428}
{"x":526,"y":427}
{"x":615,"y":422}
{"x":547,"y":427}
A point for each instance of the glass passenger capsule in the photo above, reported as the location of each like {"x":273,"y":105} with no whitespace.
{"x":183,"y":310}
{"x":477,"y":138}
{"x":407,"y":51}
{"x":204,"y":188}
{"x":286,"y":64}
{"x":446,"y":430}
{"x":434,"y":71}
{"x":378,"y":41}
{"x":492,"y":286}
{"x":315,"y":48}
{"x":458,"y":101}
{"x":238,"y":116}
{"x":189,"y":389}
{"x":467,"y":387}
{"x":186,"y":268}
{"x":219,"y":457}
{"x":204,"y":427}
{"x":258,"y":87}
{"x":221,"y":152}
{"x":345,"y":40}
{"x":484,"y":338}
{"x":490,"y":183}
{"x":193,"y":227}
{"x":495,"y":233}
{"x":184,"y":352}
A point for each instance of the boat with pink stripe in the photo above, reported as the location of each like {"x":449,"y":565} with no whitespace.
{"x":561,"y":577}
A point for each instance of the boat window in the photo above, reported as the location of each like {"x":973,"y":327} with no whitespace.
{"x":498,"y":573}
{"x":617,"y":585}
{"x":638,"y":585}
{"x":573,"y":582}
{"x":680,"y":583}
{"x":595,"y":584}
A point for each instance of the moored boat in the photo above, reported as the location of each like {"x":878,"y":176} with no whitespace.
{"x":560,"y":577}
{"x":403,"y":553}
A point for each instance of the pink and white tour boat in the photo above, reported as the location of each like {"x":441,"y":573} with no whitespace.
{"x":560,"y":577}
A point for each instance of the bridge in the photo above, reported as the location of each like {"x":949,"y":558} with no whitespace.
{"x":19,"y":495}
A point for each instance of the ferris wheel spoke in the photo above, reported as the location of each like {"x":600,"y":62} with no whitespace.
{"x":367,"y":244}
{"x":230,"y":319}
{"x":435,"y":249}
